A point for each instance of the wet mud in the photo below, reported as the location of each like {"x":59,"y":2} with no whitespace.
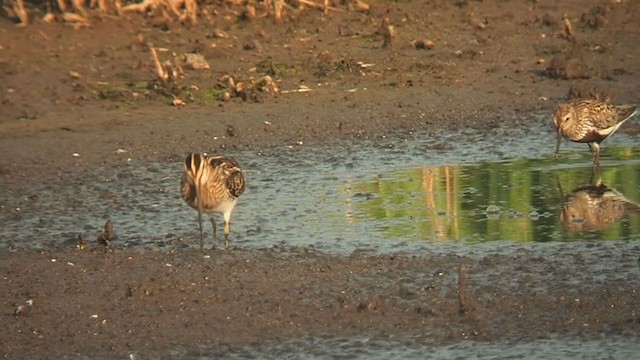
{"x":237,"y":299}
{"x":80,"y":118}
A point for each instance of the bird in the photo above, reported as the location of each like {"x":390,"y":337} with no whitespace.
{"x":589,"y":121}
{"x":212,"y":184}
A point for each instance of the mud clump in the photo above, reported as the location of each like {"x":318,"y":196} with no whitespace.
{"x":596,"y":17}
{"x":181,"y":298}
{"x":568,"y":67}
{"x":590,"y":91}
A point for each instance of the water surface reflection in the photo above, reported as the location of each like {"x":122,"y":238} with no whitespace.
{"x":399,"y":193}
{"x":518,"y":200}
{"x":595,"y":206}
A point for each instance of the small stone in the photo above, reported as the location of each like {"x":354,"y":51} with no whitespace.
{"x":196,"y":61}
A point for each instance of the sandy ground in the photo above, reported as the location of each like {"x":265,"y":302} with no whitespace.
{"x":94,"y":91}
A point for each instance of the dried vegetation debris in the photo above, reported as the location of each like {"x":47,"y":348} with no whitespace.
{"x":570,"y":64}
{"x":181,"y":10}
{"x":170,"y":72}
{"x":328,"y":64}
{"x":253,"y":89}
{"x":166,"y":71}
{"x":80,"y":12}
{"x":262,"y":81}
{"x":195,"y":61}
{"x":166,"y":74}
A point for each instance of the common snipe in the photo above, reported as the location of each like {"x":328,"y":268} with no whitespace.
{"x":212,"y":185}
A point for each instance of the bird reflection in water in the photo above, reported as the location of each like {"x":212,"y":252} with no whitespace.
{"x":594,"y":207}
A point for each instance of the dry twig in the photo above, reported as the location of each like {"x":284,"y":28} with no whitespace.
{"x":79,"y":11}
{"x":169,"y":9}
{"x":18,"y":8}
{"x":387,"y":31}
{"x":163,"y":74}
{"x":462,"y":286}
{"x":77,"y":20}
{"x":106,"y":236}
{"x":324,"y":7}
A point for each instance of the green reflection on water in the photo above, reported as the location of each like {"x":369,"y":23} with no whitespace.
{"x":449,"y":203}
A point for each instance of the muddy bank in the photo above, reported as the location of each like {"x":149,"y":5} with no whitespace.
{"x":71,"y":104}
{"x":89,"y":302}
{"x":65,"y":93}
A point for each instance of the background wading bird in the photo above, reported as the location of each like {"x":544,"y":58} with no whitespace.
{"x":589,"y":121}
{"x":212,"y":185}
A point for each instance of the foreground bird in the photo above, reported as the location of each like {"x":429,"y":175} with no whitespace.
{"x":212,"y":185}
{"x":589,"y":121}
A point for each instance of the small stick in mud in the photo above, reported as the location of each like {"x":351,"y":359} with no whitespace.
{"x":387,"y":31}
{"x":80,"y":243}
{"x":78,"y":6}
{"x":278,"y":10}
{"x":359,"y":5}
{"x":77,"y":20}
{"x":569,"y":34}
{"x":162,"y":73}
{"x":325,"y":7}
{"x":18,"y":8}
{"x":462,"y":286}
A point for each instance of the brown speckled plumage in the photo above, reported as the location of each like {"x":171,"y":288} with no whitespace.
{"x":589,"y":121}
{"x":212,"y":185}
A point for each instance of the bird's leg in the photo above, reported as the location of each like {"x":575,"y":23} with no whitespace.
{"x":201,"y":232}
{"x":213,"y":225}
{"x":227,"y":228}
{"x":558,"y":145}
{"x":226,"y":234}
{"x":200,"y":222}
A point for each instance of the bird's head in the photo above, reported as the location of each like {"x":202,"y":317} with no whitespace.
{"x":563,"y":116}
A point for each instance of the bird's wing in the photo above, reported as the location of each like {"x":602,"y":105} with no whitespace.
{"x":235,"y":182}
{"x":625,"y":111}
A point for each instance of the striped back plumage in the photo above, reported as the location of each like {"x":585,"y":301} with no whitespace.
{"x":214,"y":179}
{"x":587,"y":120}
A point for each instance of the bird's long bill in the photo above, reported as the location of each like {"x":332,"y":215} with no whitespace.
{"x":558,"y":144}
{"x":200,"y":224}
{"x":199,"y":204}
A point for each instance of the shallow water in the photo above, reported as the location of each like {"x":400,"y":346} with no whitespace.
{"x":366,"y":348}
{"x":400,"y":193}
